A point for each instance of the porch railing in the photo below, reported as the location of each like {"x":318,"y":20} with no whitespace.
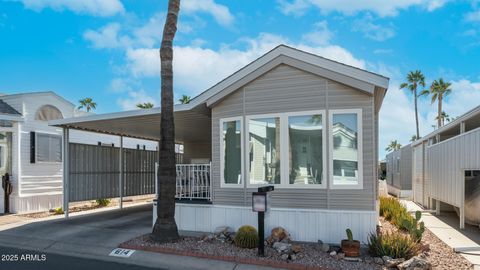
{"x":193,"y":181}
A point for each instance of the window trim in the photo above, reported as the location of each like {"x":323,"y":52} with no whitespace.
{"x":285,"y":145}
{"x":222,"y":153}
{"x":358,"y":112}
{"x":36,"y":147}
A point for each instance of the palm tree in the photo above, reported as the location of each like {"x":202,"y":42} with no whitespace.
{"x":165,"y":228}
{"x":439,"y":89}
{"x":414,"y":138}
{"x":87,"y":103}
{"x":145,"y":105}
{"x":185,"y":99}
{"x":414,"y":79}
{"x":394,"y":145}
{"x":444,"y":117}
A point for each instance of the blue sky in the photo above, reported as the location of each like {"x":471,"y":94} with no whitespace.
{"x":108,"y":49}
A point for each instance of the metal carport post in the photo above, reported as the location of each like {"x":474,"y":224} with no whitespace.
{"x":66,"y":170}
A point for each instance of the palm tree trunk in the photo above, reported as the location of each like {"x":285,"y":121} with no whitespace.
{"x":439,"y":120}
{"x":416,"y":111}
{"x":165,"y":228}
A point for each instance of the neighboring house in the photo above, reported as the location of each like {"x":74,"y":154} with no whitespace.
{"x":399,"y":172}
{"x":303,"y":123}
{"x":31,"y":150}
{"x":446,"y":168}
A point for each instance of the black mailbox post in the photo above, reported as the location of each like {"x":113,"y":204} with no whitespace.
{"x":260,"y":205}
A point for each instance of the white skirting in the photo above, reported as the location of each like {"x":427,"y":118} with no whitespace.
{"x":308,"y":225}
{"x":38,"y":203}
{"x":400,"y":193}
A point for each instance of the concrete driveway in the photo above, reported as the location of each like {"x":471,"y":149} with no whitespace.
{"x":105,"y":229}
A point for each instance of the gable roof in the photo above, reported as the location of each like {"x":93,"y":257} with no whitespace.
{"x":39,"y":93}
{"x":7,"y":109}
{"x":352,"y":76}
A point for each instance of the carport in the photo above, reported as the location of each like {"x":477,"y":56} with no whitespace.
{"x":95,"y":172}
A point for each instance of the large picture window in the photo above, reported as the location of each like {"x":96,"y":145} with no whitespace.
{"x":48,"y":148}
{"x":231,"y":147}
{"x":306,"y":161}
{"x":264,"y":150}
{"x":345,"y":148}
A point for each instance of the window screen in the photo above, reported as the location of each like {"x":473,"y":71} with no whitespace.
{"x":48,"y":148}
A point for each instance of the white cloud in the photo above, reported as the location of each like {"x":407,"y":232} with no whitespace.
{"x":91,"y":7}
{"x":382,"y":8}
{"x":197,"y":68}
{"x":320,"y":36}
{"x":107,"y":37}
{"x":373,"y":31}
{"x":220,"y":13}
{"x":133,"y":98}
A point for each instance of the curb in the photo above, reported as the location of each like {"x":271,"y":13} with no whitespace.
{"x":241,"y":260}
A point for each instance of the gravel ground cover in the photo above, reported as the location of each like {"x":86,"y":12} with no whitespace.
{"x":312,"y":256}
{"x":440,"y":255}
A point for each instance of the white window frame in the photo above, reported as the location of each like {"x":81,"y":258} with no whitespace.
{"x":222,"y":153}
{"x":284,"y":144}
{"x":359,"y":184}
{"x":36,"y":147}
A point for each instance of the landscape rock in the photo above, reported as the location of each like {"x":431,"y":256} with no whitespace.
{"x":278,"y":234}
{"x":341,"y":256}
{"x":296,"y":248}
{"x":293,"y":257}
{"x":378,"y":260}
{"x":368,"y":259}
{"x":394,"y":262}
{"x":335,"y":248}
{"x":415,"y":263}
{"x":386,"y":258}
{"x":325,"y":247}
{"x":284,"y":257}
{"x":221,"y":230}
{"x":353,"y":259}
{"x":333,"y":253}
{"x":282,"y":247}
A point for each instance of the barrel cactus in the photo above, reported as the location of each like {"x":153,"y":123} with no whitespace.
{"x":246,"y":237}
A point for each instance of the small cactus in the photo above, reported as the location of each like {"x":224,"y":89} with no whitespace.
{"x":246,"y":237}
{"x":414,"y":227}
{"x":349,"y":235}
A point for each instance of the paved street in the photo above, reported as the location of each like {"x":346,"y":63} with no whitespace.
{"x":48,"y":261}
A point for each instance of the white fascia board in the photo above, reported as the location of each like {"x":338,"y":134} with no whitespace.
{"x":116,"y":115}
{"x":9,"y":117}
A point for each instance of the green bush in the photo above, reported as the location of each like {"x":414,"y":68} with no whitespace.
{"x":246,"y":237}
{"x":103,"y":202}
{"x":58,"y":211}
{"x":395,"y":245}
{"x":392,"y":210}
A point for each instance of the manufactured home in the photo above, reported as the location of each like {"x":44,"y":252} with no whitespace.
{"x":446,"y":167}
{"x":399,"y":172}
{"x":303,"y":123}
{"x":31,"y":150}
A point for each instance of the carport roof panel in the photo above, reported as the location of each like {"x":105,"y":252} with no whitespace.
{"x":190,"y":125}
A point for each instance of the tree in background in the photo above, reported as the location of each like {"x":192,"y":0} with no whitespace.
{"x":439,"y":89}
{"x":145,"y":105}
{"x":394,"y":145}
{"x":415,"y":79}
{"x":185,"y":99}
{"x":444,"y":117}
{"x":87,"y":103}
{"x":414,"y":138}
{"x":165,"y":228}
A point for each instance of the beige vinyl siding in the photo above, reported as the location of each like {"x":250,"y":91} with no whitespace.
{"x":287,"y":89}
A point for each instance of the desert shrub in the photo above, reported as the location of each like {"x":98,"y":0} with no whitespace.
{"x":103,"y":202}
{"x":414,"y":227}
{"x":395,"y":245}
{"x":392,"y":210}
{"x":246,"y":237}
{"x":58,"y":211}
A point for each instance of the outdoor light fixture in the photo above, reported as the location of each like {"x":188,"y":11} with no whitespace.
{"x":261,"y":204}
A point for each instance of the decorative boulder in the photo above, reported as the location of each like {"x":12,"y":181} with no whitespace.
{"x":415,"y":263}
{"x":278,"y":234}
